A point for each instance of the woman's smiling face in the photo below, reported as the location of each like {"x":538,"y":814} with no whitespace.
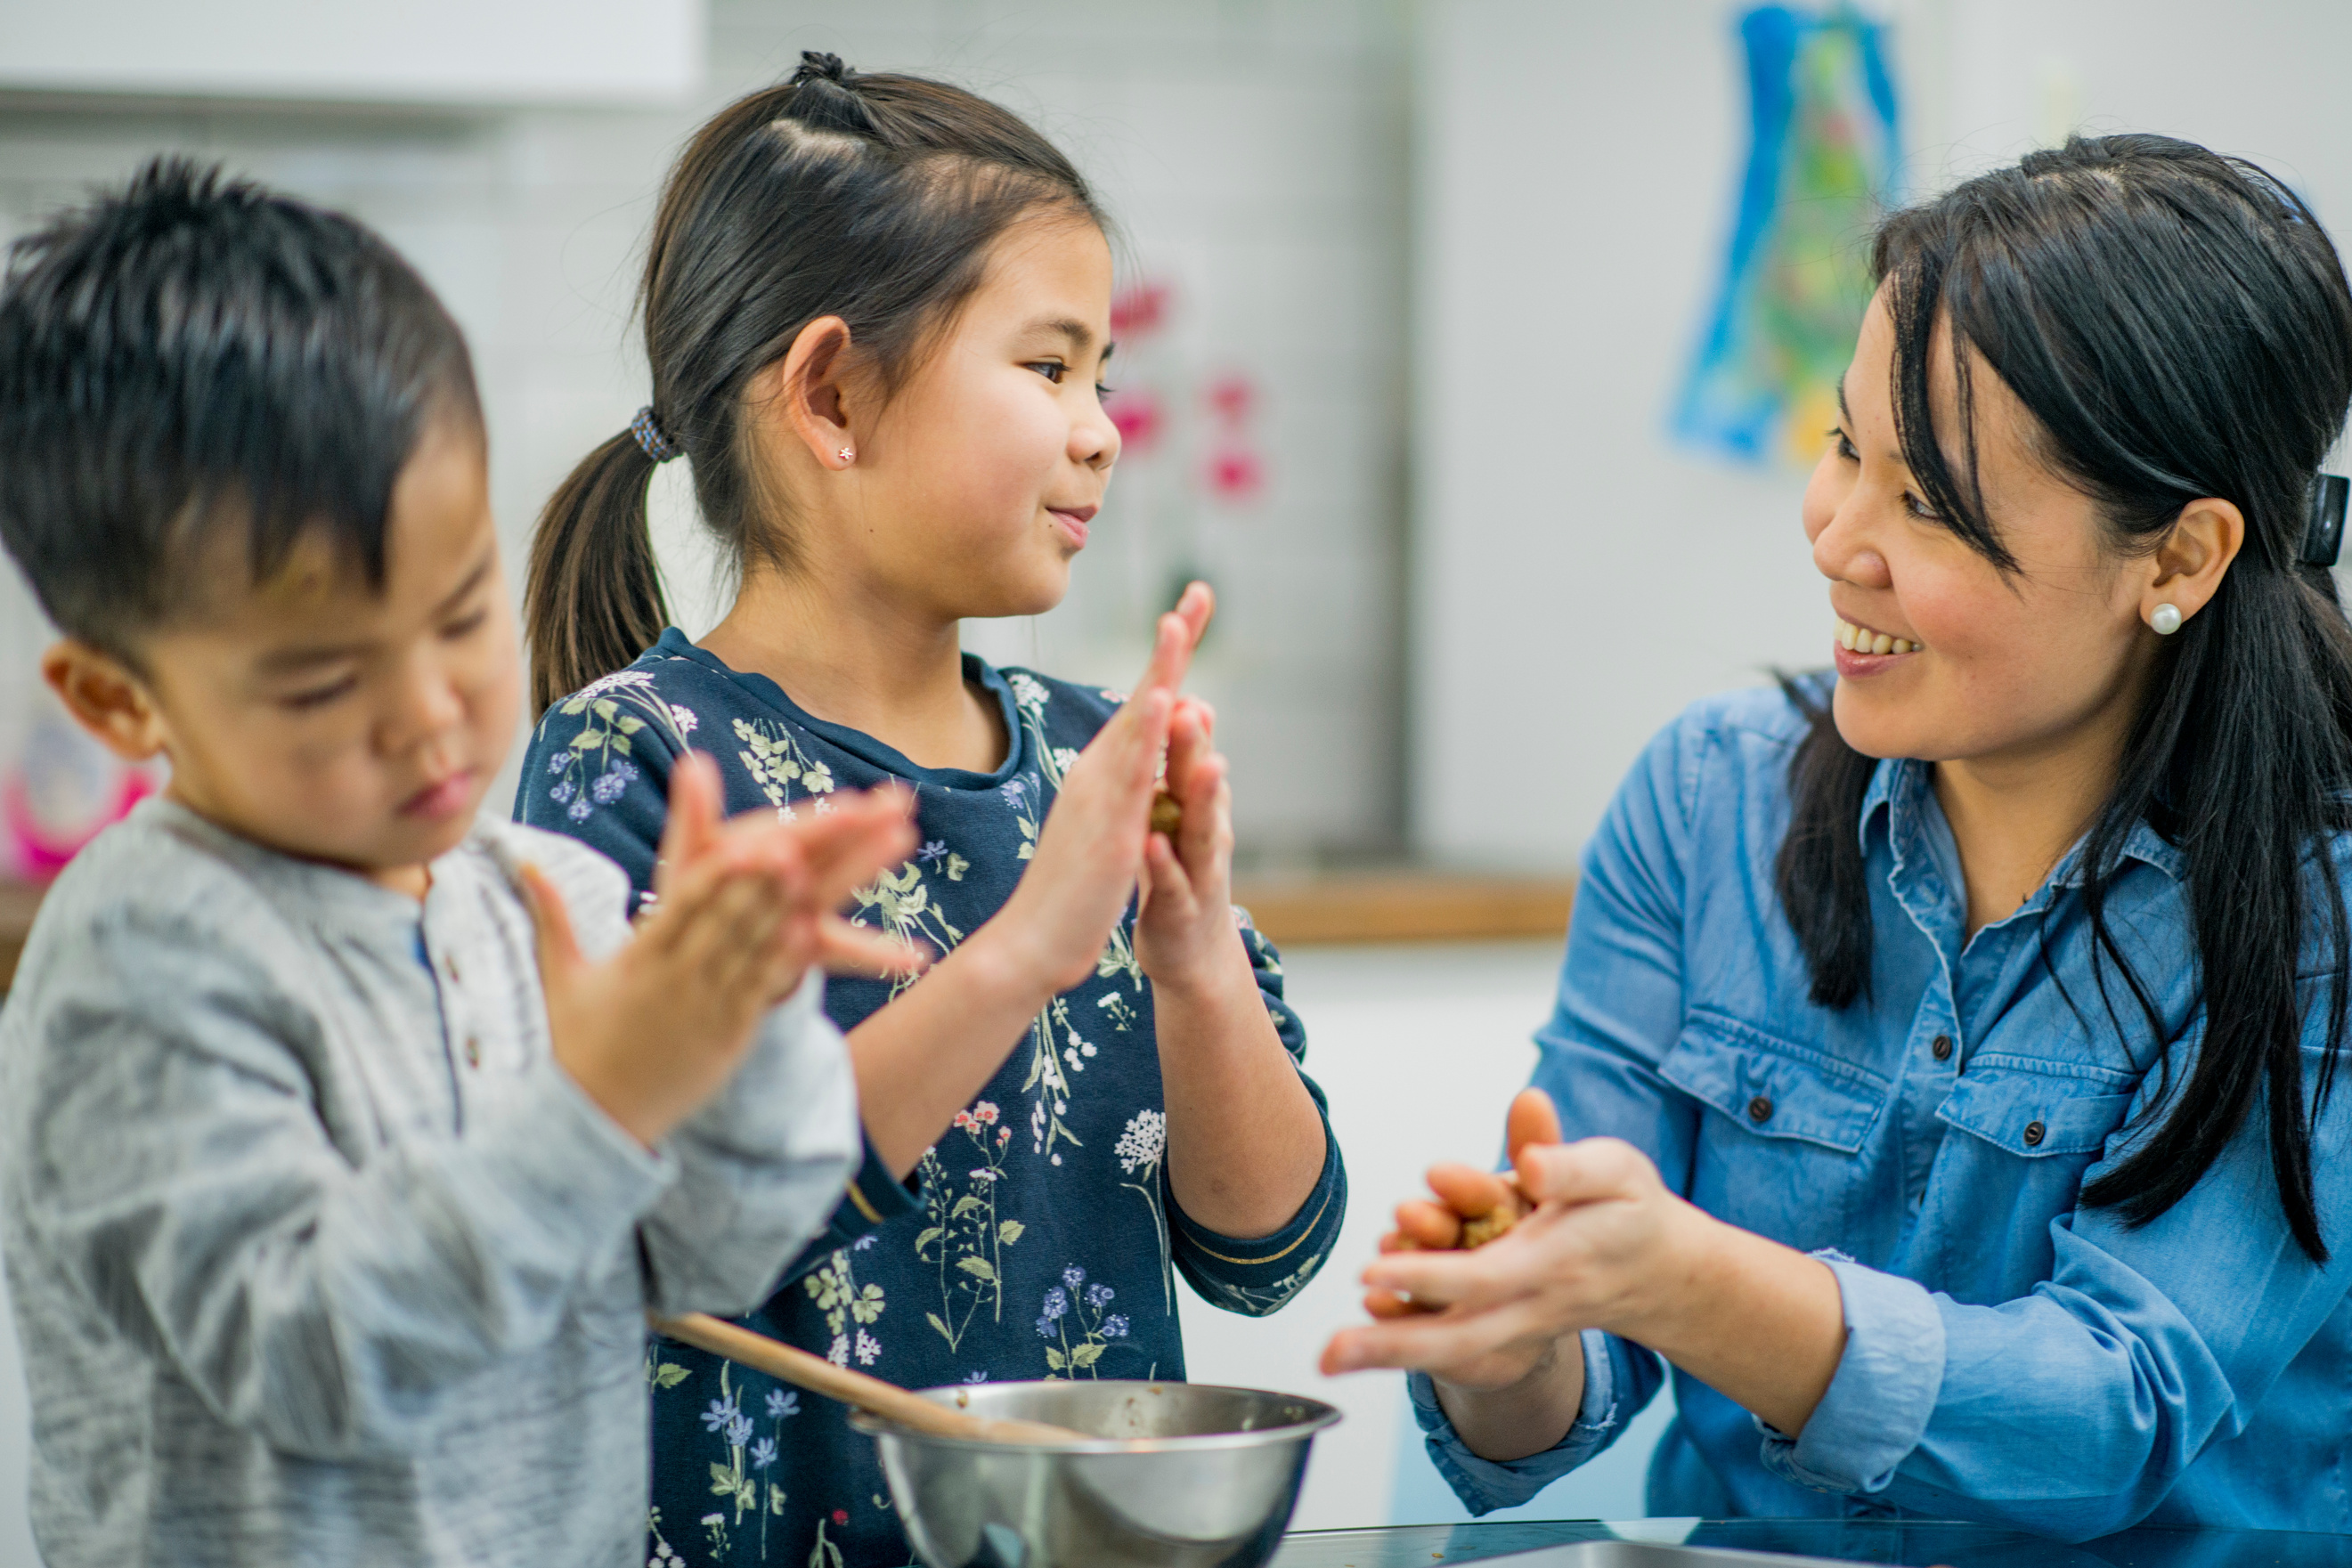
{"x":2002,"y":665}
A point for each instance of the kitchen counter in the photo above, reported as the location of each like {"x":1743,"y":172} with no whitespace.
{"x":1914,"y":1543}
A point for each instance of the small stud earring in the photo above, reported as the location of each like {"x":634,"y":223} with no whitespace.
{"x":2165,"y":620}
{"x":847,"y":455}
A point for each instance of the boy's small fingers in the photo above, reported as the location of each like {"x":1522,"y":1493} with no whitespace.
{"x":846,"y":949}
{"x":695,"y":809}
{"x":550,"y":919}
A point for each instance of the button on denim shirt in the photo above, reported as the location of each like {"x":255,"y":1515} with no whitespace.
{"x":2010,"y":1357}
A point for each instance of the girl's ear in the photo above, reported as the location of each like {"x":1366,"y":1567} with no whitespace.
{"x":105,"y":698}
{"x":2187,"y":568}
{"x":810,"y":393}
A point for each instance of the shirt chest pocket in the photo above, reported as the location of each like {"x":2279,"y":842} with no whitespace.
{"x":2030,"y":1133}
{"x":1783,"y":1145}
{"x":2027,"y":1110}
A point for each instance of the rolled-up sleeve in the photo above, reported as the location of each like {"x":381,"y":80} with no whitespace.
{"x":2074,"y":1410}
{"x":1611,"y":1368}
{"x":1256,"y":1275}
{"x":1882,"y":1393}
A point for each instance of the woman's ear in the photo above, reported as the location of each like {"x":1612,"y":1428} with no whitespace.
{"x":106,"y":698}
{"x":809,"y":393}
{"x":2188,"y":566}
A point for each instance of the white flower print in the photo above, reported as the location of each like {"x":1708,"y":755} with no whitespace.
{"x":1139,"y":1150}
{"x":1026,"y":691}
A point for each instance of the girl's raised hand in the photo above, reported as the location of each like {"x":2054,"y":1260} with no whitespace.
{"x":1184,"y":927}
{"x":1090,"y":852}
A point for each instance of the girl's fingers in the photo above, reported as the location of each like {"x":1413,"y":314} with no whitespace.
{"x":1171,"y":654}
{"x":1170,"y":885}
{"x":1388,"y":1304}
{"x":1194,"y":606}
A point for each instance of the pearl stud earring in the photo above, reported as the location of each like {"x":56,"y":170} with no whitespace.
{"x":847,"y":455}
{"x":2165,"y":619}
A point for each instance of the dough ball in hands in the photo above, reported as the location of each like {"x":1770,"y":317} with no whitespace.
{"x":1472,"y":1207}
{"x":1167,"y":814}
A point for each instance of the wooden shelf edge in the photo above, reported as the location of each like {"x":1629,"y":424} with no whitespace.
{"x":1406,"y":907}
{"x":1294,"y":912}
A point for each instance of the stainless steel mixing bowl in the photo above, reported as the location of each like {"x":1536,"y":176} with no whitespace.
{"x":1175,"y":1475}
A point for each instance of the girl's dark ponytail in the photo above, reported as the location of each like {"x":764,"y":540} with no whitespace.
{"x":593,"y":595}
{"x":872,"y":198}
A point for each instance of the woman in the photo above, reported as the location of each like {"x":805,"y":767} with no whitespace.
{"x":1963,"y":1042}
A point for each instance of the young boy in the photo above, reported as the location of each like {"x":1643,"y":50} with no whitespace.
{"x":335,"y":1178}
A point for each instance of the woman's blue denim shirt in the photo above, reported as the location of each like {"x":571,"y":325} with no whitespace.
{"x":2010,"y":1357}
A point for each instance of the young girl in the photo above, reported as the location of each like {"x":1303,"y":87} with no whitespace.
{"x":1971,"y":1034}
{"x":875,"y":310}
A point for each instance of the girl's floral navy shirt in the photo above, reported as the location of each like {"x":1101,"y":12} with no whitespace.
{"x":1037,"y":1238}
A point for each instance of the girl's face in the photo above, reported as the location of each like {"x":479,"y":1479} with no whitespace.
{"x":977,"y":484}
{"x":1940,"y":655}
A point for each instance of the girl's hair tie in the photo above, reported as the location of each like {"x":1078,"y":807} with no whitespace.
{"x":655,"y":444}
{"x":818,"y":65}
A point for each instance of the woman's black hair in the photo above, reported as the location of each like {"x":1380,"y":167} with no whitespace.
{"x":870,"y":197}
{"x":189,"y":354}
{"x":2179,"y":327}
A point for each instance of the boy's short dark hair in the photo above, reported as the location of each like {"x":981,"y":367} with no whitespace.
{"x":190,"y":353}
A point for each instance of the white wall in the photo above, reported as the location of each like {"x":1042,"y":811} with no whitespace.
{"x":1577,"y":579}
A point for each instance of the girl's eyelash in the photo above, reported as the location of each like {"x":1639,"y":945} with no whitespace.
{"x":319,"y":696}
{"x":1103,"y":390}
{"x":1052,"y":370}
{"x":466,"y":626}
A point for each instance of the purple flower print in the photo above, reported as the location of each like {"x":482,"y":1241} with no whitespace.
{"x":1057,"y":1303}
{"x":1115,"y":1326}
{"x":783,"y":1401}
{"x":739,"y":1431}
{"x":723,"y":1413}
{"x":763,"y":1453}
{"x":1098,"y":1296}
{"x":1074,"y":1276}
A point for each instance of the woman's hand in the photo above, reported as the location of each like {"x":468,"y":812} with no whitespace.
{"x":1090,"y":852}
{"x":1609,"y":1247}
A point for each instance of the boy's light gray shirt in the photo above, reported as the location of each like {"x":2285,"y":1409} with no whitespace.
{"x":316,"y":1255}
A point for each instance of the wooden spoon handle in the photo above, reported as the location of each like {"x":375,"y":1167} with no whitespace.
{"x":871,"y":1395}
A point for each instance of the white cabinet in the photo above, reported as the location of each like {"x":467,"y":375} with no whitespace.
{"x":492,"y":52}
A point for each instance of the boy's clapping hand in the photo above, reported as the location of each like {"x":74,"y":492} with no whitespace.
{"x":744,"y":909}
